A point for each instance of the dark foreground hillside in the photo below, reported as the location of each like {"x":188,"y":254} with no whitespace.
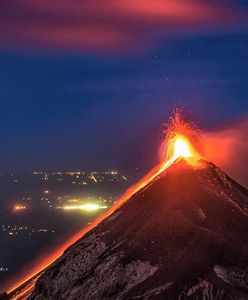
{"x":184,"y":236}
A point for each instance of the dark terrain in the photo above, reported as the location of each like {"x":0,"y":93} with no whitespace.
{"x":184,"y":236}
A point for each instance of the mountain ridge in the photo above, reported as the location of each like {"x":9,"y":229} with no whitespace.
{"x":183,"y":236}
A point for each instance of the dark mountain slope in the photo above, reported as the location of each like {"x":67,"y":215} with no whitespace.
{"x":184,"y":236}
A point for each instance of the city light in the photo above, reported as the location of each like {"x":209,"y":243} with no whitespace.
{"x":93,"y":178}
{"x":19,"y":208}
{"x":86,"y":207}
{"x":2,"y":269}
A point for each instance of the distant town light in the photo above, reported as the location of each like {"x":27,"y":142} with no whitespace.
{"x":2,"y":269}
{"x":86,"y":207}
{"x":73,"y":200}
{"x":19,"y":208}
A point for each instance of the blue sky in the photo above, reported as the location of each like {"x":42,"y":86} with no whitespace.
{"x":92,"y":107}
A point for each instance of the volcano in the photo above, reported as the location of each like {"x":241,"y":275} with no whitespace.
{"x":180,"y":233}
{"x":182,"y":236}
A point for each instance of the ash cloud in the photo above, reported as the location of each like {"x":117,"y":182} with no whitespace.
{"x":227,"y":147}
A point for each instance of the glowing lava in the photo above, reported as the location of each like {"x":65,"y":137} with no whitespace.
{"x":181,"y":148}
{"x":178,"y":144}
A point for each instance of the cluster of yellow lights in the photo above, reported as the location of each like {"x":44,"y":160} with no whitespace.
{"x":86,"y":207}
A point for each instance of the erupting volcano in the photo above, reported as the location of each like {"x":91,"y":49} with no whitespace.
{"x":179,"y":233}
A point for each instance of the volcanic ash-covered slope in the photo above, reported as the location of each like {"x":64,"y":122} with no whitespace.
{"x":184,"y":236}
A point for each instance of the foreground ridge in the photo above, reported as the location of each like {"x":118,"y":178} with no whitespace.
{"x":183,"y":236}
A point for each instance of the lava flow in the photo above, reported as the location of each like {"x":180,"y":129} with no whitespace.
{"x":179,"y":138}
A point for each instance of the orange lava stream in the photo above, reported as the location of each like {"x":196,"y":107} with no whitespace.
{"x":57,"y":253}
{"x":177,"y":147}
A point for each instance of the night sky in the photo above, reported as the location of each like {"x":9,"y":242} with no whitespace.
{"x":87,"y":84}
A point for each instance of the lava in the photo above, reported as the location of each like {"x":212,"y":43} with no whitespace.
{"x":181,"y":148}
{"x":178,"y":143}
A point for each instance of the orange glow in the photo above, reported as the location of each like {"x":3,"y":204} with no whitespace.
{"x":19,"y":208}
{"x":180,"y":139}
{"x":181,"y":148}
{"x":177,"y":146}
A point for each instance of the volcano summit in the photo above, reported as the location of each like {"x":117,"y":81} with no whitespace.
{"x":180,"y":233}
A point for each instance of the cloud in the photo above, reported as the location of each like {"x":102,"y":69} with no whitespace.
{"x":227,"y":147}
{"x":101,"y":25}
